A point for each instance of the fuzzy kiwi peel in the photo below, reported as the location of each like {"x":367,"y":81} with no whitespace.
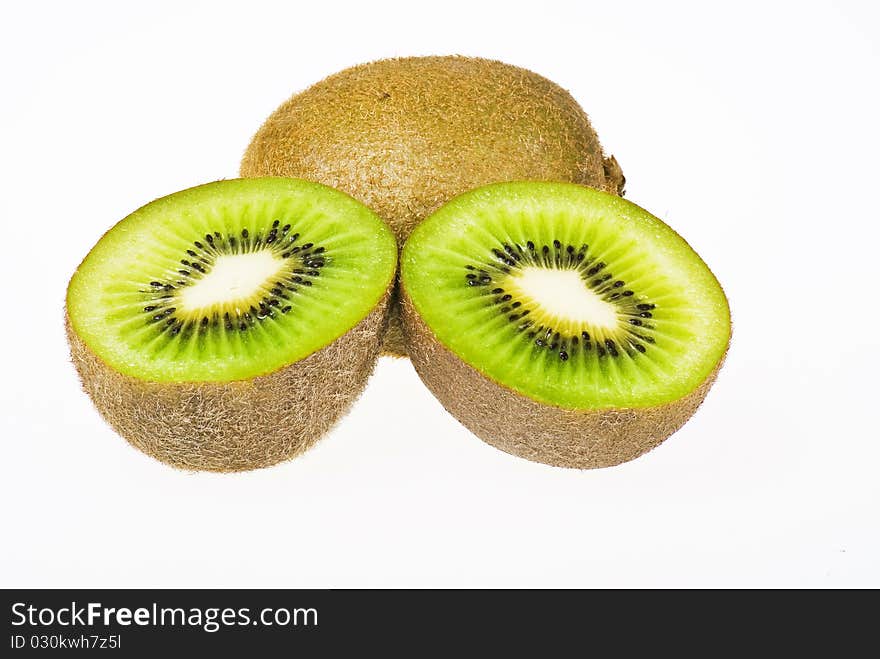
{"x":227,"y":327}
{"x":405,"y":135}
{"x":576,"y":378}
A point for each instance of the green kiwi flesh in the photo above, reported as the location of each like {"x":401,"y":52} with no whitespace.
{"x":577,"y":311}
{"x":227,"y":326}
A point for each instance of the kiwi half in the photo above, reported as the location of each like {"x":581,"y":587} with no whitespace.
{"x":228,"y":326}
{"x":405,"y":135}
{"x":560,"y":323}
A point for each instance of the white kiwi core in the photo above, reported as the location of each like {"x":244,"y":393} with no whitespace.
{"x":234,"y":279}
{"x":564,"y":296}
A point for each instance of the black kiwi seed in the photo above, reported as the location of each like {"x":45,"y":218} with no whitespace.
{"x":563,"y":355}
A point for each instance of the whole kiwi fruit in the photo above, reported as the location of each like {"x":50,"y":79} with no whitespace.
{"x":405,"y":135}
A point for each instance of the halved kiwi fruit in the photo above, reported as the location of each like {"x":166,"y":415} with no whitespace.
{"x":228,"y":326}
{"x":405,"y":135}
{"x":560,"y":323}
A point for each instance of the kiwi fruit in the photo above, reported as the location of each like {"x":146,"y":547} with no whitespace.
{"x":405,"y":135}
{"x":560,"y":323}
{"x":228,"y":326}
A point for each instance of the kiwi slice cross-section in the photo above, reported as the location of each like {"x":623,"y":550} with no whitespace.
{"x":561,"y":323}
{"x":226,"y":327}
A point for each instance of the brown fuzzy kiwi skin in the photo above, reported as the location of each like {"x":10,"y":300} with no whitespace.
{"x":239,"y":425}
{"x":521,"y":426}
{"x":406,"y":135}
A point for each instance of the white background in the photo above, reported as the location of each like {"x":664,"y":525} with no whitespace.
{"x":752,"y":129}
